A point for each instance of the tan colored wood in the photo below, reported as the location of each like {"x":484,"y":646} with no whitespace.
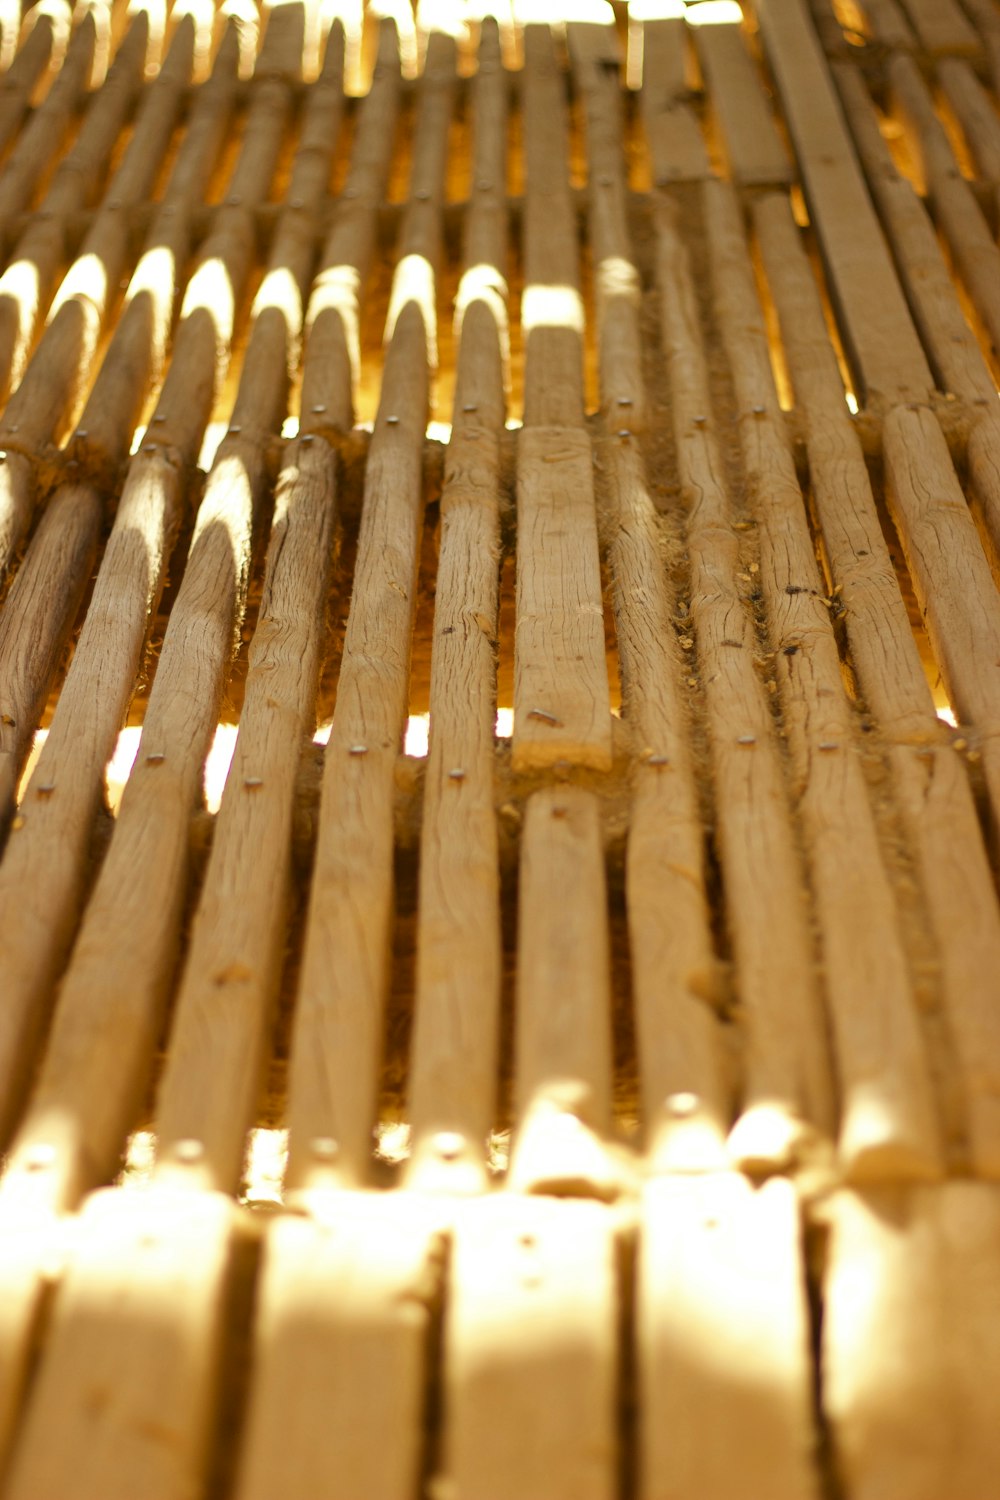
{"x":337,"y":1040}
{"x":888,"y":23}
{"x":928,"y":777}
{"x":723,"y":1342}
{"x":111,"y":999}
{"x":976,"y":254}
{"x":26,"y":284}
{"x":50,"y":850}
{"x":34,"y":58}
{"x":950,"y":341}
{"x":786,"y":1091}
{"x":941,"y":26}
{"x":674,"y":980}
{"x":755,"y":153}
{"x":976,"y":114}
{"x":31,"y":1255}
{"x":42,"y":603}
{"x":951,"y":576}
{"x":911,"y":1341}
{"x":336,"y":1408}
{"x":673,"y":135}
{"x":888,"y":1127}
{"x":529,"y":1355}
{"x":561,"y":706}
{"x":563,"y":1006}
{"x":881,"y":342}
{"x":452,"y":1085}
{"x":130,"y":1368}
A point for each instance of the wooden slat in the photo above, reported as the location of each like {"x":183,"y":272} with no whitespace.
{"x":48,"y":851}
{"x":888,"y":1125}
{"x":723,"y":1342}
{"x":452,"y":1085}
{"x":881,"y":343}
{"x":337,"y":1041}
{"x":928,"y":777}
{"x":673,"y":135}
{"x":951,"y":577}
{"x":35,"y":56}
{"x":336,"y":1408}
{"x":888,"y":23}
{"x":941,"y":26}
{"x":911,"y":1341}
{"x":130,"y":1367}
{"x":561,"y":707}
{"x":685,"y":1096}
{"x":785,"y":1084}
{"x":976,"y":114}
{"x":529,"y":1355}
{"x":755,"y":152}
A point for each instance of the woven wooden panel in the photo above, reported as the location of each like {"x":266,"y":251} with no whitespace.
{"x":500,"y":751}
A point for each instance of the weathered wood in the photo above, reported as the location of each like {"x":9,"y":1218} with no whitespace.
{"x":941,"y":26}
{"x":673,"y":135}
{"x":345,"y":969}
{"x":929,"y":779}
{"x":976,"y":115}
{"x":888,"y":1125}
{"x":755,"y":152}
{"x":685,"y":1097}
{"x":529,"y":1355}
{"x":881,"y":342}
{"x":50,"y":848}
{"x":37,"y":54}
{"x":452,"y":1087}
{"x":786,"y":1091}
{"x":337,"y":1402}
{"x":911,"y":1341}
{"x":723,"y":1342}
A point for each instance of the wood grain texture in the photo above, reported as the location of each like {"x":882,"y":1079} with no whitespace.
{"x":881,"y":343}
{"x":674,"y":140}
{"x":888,"y":1124}
{"x":723,"y":1338}
{"x":787,"y":1097}
{"x":755,"y":153}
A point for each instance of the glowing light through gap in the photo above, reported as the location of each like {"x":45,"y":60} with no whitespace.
{"x":852,"y":402}
{"x":267,"y":1157}
{"x":714,"y":13}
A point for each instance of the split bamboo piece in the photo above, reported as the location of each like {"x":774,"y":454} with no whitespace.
{"x":452,"y":1089}
{"x":786,"y":1096}
{"x":48,"y":850}
{"x":756,"y":155}
{"x":685,"y":1098}
{"x":337,"y":1404}
{"x":42,"y":603}
{"x":529,"y":1352}
{"x":927,"y":775}
{"x":723,"y":1342}
{"x":125,"y":956}
{"x":673,"y":136}
{"x":911,"y":1341}
{"x":888,"y":1128}
{"x":887,"y":360}
{"x":561,"y":704}
{"x":337,"y":1041}
{"x":26,"y":284}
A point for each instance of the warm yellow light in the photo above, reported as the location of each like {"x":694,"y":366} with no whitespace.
{"x":210,"y":290}
{"x":85,"y":281}
{"x":551,"y":307}
{"x":714,"y":13}
{"x":279,"y":291}
{"x":414,"y":282}
{"x":217,"y":763}
{"x":417,"y":736}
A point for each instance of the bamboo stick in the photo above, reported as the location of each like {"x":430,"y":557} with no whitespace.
{"x":336,"y":1047}
{"x":455,"y":1045}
